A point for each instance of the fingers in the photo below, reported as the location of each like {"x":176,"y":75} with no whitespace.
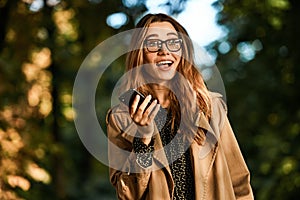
{"x":134,"y":105}
{"x":143,"y":114}
{"x":144,"y":104}
{"x":135,"y":109}
{"x":148,"y":113}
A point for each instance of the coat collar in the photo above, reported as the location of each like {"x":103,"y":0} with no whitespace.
{"x":211,"y":136}
{"x":214,"y":126}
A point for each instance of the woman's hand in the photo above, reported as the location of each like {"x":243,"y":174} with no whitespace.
{"x":143,"y":116}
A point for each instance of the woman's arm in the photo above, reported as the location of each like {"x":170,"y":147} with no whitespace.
{"x":239,"y":172}
{"x":126,"y":175}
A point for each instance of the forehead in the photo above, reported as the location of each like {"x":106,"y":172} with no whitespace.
{"x":161,"y":29}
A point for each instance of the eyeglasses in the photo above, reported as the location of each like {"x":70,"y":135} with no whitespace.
{"x":155,"y":45}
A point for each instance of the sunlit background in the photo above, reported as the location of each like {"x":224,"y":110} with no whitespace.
{"x":198,"y":17}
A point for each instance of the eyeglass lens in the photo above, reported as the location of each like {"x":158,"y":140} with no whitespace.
{"x":154,"y":45}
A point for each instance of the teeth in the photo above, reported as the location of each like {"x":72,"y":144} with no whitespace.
{"x":165,"y":62}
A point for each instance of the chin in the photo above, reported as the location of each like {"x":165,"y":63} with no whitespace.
{"x":166,"y":78}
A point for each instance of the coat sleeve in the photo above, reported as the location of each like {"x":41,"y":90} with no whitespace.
{"x":239,"y":172}
{"x":129,"y":179}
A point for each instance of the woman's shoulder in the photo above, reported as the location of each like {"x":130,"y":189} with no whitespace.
{"x":119,"y":112}
{"x":218,"y":101}
{"x":120,"y":108}
{"x":218,"y":111}
{"x":119,"y":117}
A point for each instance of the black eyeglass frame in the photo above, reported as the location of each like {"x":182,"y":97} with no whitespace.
{"x":161,"y":42}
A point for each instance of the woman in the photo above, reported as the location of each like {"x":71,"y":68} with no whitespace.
{"x":176,"y":143}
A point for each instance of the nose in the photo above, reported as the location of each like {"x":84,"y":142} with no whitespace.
{"x":163,"y":49}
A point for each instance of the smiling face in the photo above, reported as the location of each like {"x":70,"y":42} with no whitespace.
{"x":163,"y":62}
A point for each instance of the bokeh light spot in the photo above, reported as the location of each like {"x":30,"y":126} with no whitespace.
{"x":117,"y":20}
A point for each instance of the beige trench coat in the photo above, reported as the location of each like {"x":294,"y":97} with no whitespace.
{"x":220,"y":171}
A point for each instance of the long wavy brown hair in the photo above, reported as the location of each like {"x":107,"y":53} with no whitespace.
{"x":193,"y":83}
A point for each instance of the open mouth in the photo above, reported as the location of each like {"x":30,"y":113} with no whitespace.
{"x":166,"y":63}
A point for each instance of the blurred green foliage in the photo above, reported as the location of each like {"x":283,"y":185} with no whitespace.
{"x":258,"y":61}
{"x":43,"y":45}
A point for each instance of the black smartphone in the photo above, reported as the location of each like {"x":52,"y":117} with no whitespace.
{"x":128,"y":97}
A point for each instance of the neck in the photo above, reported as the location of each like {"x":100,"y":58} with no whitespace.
{"x":162,"y":93}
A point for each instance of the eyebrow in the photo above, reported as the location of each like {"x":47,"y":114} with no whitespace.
{"x":156,"y":35}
